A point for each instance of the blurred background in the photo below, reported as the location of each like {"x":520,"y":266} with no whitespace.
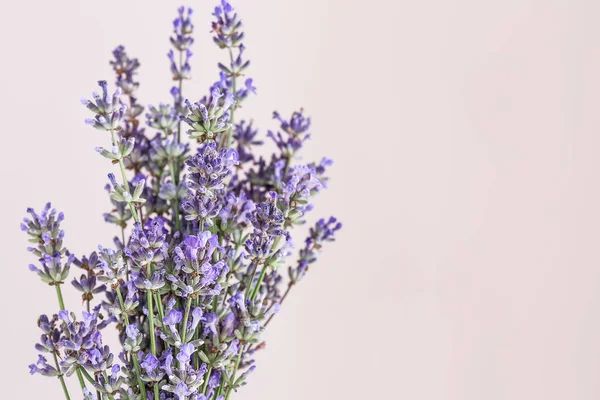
{"x":465,"y":135}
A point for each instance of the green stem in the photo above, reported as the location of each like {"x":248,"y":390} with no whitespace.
{"x":88,"y":300}
{"x":175,"y":202}
{"x":122,"y":305}
{"x":260,"y":279}
{"x":133,"y":356}
{"x":220,"y":388}
{"x":161,"y":311}
{"x":235,"y":369}
{"x":87,"y":375}
{"x":178,"y":137}
{"x":233,"y":88}
{"x":180,"y":96}
{"x":287,"y":291}
{"x":61,"y":379}
{"x":252,"y":276}
{"x":186,"y":316}
{"x":206,"y":380}
{"x":124,"y":176}
{"x":80,"y":378}
{"x":196,"y":335}
{"x":98,"y":394}
{"x":238,"y":244}
{"x":287,"y":166}
{"x":175,"y":206}
{"x":123,"y":238}
{"x":151,"y":322}
{"x":61,"y":302}
{"x":89,"y":378}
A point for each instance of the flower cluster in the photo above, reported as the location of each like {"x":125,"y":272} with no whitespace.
{"x":206,"y":226}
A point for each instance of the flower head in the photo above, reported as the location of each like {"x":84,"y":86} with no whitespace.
{"x":183,"y":29}
{"x":108,"y":109}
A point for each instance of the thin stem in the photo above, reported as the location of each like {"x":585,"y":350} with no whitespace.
{"x":61,"y":302}
{"x":180,"y":95}
{"x":186,"y":316}
{"x":252,"y":276}
{"x":151,"y":322}
{"x":220,"y":389}
{"x":161,"y":312}
{"x":175,"y":206}
{"x":124,"y":176}
{"x":178,"y":137}
{"x":260,"y":279}
{"x":287,"y":291}
{"x":87,"y":375}
{"x":122,"y":305}
{"x":60,"y":378}
{"x":89,"y":378}
{"x":235,"y":369}
{"x":206,"y":380}
{"x":287,"y":166}
{"x":80,"y":378}
{"x":195,"y":336}
{"x":98,"y":394}
{"x":133,"y":356}
{"x":123,"y":243}
{"x":123,"y":235}
{"x":238,"y":244}
{"x":229,"y":136}
{"x":175,"y":202}
{"x":88,"y":300}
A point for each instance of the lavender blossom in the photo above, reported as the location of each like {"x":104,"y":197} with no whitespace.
{"x":108,"y":110}
{"x":147,"y":244}
{"x":209,"y":169}
{"x":182,"y":28}
{"x":206,"y":122}
{"x":164,"y":118}
{"x":295,"y":133}
{"x":245,"y":136}
{"x":183,"y":71}
{"x":44,"y":231}
{"x":87,"y":285}
{"x":323,"y":231}
{"x":208,"y":172}
{"x":125,"y":68}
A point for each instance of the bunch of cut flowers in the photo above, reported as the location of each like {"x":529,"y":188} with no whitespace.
{"x":204,"y":255}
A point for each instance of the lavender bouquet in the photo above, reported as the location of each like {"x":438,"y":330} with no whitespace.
{"x":194,"y":278}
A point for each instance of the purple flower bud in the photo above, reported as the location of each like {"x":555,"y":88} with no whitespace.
{"x":132,"y":332}
{"x":172,"y":318}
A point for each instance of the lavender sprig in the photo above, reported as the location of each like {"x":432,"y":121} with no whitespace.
{"x":181,"y":41}
{"x":228,"y":34}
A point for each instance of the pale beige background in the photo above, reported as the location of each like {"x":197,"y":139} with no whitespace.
{"x":466,"y":136}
